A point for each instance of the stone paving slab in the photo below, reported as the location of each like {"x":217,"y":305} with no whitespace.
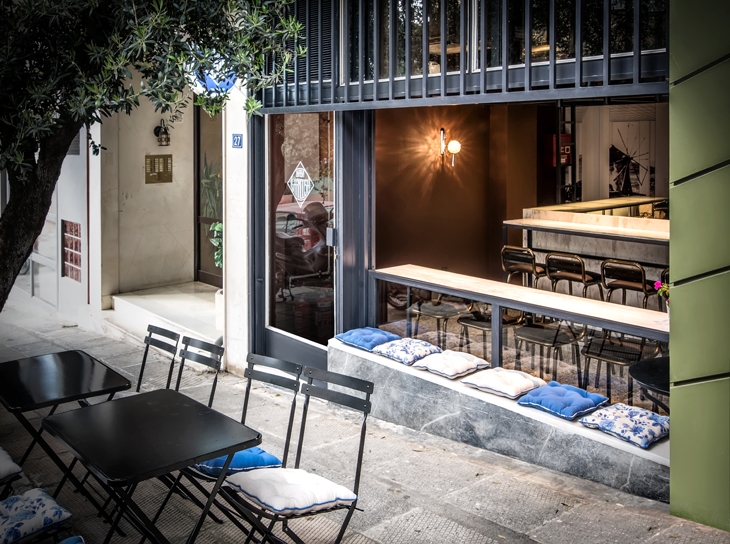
{"x":415,"y":487}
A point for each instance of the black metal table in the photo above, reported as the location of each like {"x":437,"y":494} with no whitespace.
{"x":652,"y":375}
{"x":50,"y":380}
{"x":149,"y":435}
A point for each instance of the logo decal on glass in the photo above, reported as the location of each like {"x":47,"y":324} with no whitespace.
{"x":300,"y":184}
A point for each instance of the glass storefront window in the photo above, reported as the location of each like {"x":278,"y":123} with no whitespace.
{"x":45,"y":285}
{"x":301,"y":208}
{"x":210,"y":192}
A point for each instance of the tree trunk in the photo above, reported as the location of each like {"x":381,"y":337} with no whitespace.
{"x":23,"y":218}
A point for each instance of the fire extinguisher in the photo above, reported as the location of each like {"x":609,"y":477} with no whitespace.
{"x":323,"y":316}
{"x":301,"y":316}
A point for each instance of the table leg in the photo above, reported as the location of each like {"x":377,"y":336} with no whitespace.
{"x":496,"y":335}
{"x":33,"y":442}
{"x":211,"y":498}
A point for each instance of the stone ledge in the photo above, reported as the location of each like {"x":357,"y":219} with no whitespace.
{"x":424,"y":401}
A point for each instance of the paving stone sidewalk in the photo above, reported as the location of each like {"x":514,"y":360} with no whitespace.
{"x":415,"y":488}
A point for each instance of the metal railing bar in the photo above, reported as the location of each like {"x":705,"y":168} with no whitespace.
{"x":361,"y":46}
{"x":505,"y":46}
{"x":347,"y":54}
{"x":637,"y":42}
{"x":444,"y":59}
{"x":463,"y":65}
{"x":483,"y":47}
{"x":308,"y":57}
{"x":553,"y":42}
{"x":408,"y":48}
{"x":393,"y":47}
{"x":528,"y":45}
{"x":424,"y":36}
{"x":376,"y":44}
{"x":606,"y":43}
{"x":578,"y":44}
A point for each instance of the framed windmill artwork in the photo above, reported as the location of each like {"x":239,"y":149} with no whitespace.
{"x":631,"y":159}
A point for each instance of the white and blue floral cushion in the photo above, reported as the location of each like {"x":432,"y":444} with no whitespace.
{"x":503,"y":382}
{"x":639,"y":426}
{"x":7,"y":466}
{"x":406,"y":350}
{"x":452,"y":364}
{"x":250,"y":459}
{"x":366,"y":338}
{"x":290,"y":491}
{"x":565,"y":401}
{"x":26,"y":514}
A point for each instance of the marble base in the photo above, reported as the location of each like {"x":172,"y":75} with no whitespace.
{"x":423,"y":401}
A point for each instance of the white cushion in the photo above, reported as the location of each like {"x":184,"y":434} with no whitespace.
{"x":26,"y":514}
{"x":290,"y":491}
{"x":7,"y":466}
{"x":503,"y":382}
{"x":452,"y":364}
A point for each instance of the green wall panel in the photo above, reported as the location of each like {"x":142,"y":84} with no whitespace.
{"x":700,"y":453}
{"x":699,"y":118}
{"x":700,"y":246}
{"x":700,"y":315}
{"x":698,"y":34}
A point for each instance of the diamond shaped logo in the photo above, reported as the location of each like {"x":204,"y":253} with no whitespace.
{"x":300,"y":184}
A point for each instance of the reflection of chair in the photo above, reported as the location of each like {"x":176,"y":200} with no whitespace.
{"x":439,"y":311}
{"x":481,"y":321}
{"x":270,"y":495}
{"x":625,"y":276}
{"x":521,"y":260}
{"x":571,"y":268}
{"x":620,"y":351}
{"x":552,"y":336}
{"x":9,"y":473}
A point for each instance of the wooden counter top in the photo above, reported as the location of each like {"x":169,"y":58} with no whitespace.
{"x":596,"y":231}
{"x":648,"y":323}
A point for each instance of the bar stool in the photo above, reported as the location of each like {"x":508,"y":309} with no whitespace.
{"x":521,"y":260}
{"x":625,"y":276}
{"x":481,"y":320}
{"x":439,"y":311}
{"x":571,"y":268}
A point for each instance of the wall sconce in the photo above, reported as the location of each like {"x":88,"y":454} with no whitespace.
{"x":163,"y":133}
{"x":454,"y":147}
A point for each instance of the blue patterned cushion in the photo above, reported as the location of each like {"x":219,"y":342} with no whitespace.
{"x":366,"y":338}
{"x":26,"y":514}
{"x":242,"y":461}
{"x":7,"y":466}
{"x":561,"y":400}
{"x":636,"y":425}
{"x":406,"y":350}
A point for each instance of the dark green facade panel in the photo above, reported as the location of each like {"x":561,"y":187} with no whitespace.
{"x":700,"y":225}
{"x":699,"y":121}
{"x":700,"y":327}
{"x":700,"y":439}
{"x":699,"y":35}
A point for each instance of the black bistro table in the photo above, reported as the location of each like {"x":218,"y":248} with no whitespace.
{"x":149,"y":435}
{"x":652,"y":376}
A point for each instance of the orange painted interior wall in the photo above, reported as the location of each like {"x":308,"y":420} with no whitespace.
{"x":450,"y":218}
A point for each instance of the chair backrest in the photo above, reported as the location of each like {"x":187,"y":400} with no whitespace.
{"x":349,"y":400}
{"x":206,"y":354}
{"x":287,"y":377}
{"x":167,"y":342}
{"x":515,"y":255}
{"x":665,"y":276}
{"x":615,"y":269}
{"x":564,"y":262}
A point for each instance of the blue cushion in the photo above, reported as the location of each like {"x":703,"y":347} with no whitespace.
{"x":29,"y":513}
{"x":366,"y":338}
{"x":561,"y":400}
{"x":73,"y":540}
{"x":244,"y":460}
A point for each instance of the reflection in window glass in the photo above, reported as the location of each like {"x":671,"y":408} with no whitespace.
{"x":45,"y":244}
{"x":653,"y":24}
{"x":416,"y":37}
{"x":44,"y":283}
{"x":301,"y":203}
{"x":622,"y":26}
{"x":23,"y":280}
{"x":592,"y":27}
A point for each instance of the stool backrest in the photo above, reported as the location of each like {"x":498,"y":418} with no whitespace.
{"x":515,"y":255}
{"x":615,"y":269}
{"x":564,"y":262}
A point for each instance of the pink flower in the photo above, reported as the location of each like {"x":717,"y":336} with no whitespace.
{"x":657,"y":285}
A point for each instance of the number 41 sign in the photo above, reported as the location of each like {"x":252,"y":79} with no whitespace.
{"x":237,"y":141}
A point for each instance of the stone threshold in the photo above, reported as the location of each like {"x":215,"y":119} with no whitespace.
{"x":424,"y":401}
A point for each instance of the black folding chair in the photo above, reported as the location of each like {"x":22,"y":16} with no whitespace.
{"x":203,"y":353}
{"x":286,"y":375}
{"x":252,"y":493}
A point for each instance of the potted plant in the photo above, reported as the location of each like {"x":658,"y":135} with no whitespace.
{"x":662,"y":289}
{"x":217,"y":241}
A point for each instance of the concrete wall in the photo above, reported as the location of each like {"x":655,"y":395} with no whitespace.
{"x":699,"y":116}
{"x":146,"y":229}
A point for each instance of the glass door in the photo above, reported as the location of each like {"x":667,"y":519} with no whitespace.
{"x":209,"y":195}
{"x":300,"y":210}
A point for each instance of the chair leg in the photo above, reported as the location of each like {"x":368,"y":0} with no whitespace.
{"x":484,"y":345}
{"x":609,"y":368}
{"x":586,"y":373}
{"x":415,"y":330}
{"x":631,"y":391}
{"x":598,"y":372}
{"x":600,"y":291}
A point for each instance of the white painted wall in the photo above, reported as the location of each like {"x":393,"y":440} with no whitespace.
{"x":236,"y":238}
{"x":146,"y":230}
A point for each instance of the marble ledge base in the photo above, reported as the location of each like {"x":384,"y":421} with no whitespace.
{"x":423,"y":401}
